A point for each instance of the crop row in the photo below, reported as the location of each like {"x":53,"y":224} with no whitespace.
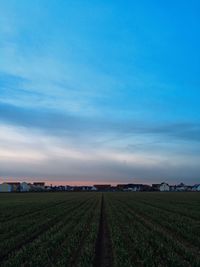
{"x":53,"y":220}
{"x":139,"y":242}
{"x":64,"y":243}
{"x":122,"y":229}
{"x":182,"y":226}
{"x":21,"y":205}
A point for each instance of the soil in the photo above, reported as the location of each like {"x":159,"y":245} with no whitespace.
{"x":103,"y":249}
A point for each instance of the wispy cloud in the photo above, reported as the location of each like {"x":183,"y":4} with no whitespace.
{"x":61,"y":123}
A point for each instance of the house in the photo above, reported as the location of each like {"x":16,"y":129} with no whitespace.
{"x":79,"y":188}
{"x":172,"y":188}
{"x":39,"y":185}
{"x":181,"y":187}
{"x":25,"y":187}
{"x":164,"y":187}
{"x":134,"y":187}
{"x":48,"y":188}
{"x":145,"y":187}
{"x":189,"y":188}
{"x":90,"y":188}
{"x":5,"y":187}
{"x":155,"y":187}
{"x":113,"y":188}
{"x":60,"y":188}
{"x":196,"y":187}
{"x":69,"y":188}
{"x":102,"y":187}
{"x":15,"y":186}
{"x":129,"y":187}
{"x":93,"y":188}
{"x":86,"y":188}
{"x":121,"y":187}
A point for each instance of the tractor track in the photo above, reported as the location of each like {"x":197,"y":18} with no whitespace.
{"x":103,"y":249}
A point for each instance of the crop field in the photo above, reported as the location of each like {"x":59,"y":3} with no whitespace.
{"x":100,"y":229}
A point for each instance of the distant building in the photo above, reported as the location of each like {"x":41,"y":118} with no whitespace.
{"x":39,"y":185}
{"x":15,"y":186}
{"x":61,"y":188}
{"x":69,"y":188}
{"x":5,"y":187}
{"x":172,"y":188}
{"x":79,"y":188}
{"x":145,"y":187}
{"x":102,"y":187}
{"x":93,"y":188}
{"x":86,"y":188}
{"x":181,"y":187}
{"x":25,"y":187}
{"x":189,"y":188}
{"x":48,"y":188}
{"x":90,"y":188}
{"x":164,"y":187}
{"x":133,"y":187}
{"x":130,"y":189}
{"x":155,"y":187}
{"x":113,"y":188}
{"x":121,"y":187}
{"x":196,"y":187}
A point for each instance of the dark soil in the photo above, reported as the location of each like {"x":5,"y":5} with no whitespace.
{"x":103,"y":249}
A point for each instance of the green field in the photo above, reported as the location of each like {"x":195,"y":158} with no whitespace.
{"x":100,"y":229}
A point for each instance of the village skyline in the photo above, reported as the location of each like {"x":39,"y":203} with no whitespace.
{"x":87,"y":183}
{"x":92,"y":182}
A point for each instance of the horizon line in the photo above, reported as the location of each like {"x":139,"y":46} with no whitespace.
{"x":82,"y":183}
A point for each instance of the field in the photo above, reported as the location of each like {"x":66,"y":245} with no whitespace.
{"x":100,"y":229}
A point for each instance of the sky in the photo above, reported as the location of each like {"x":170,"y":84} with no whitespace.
{"x":100,"y":91}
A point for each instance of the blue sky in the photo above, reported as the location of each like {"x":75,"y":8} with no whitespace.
{"x":100,"y":91}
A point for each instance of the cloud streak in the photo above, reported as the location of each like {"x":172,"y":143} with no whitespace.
{"x":57,"y":123}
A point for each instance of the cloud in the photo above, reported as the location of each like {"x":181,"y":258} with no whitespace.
{"x":45,"y":142}
{"x":30,"y":152}
{"x":109,"y":169}
{"x":59,"y":123}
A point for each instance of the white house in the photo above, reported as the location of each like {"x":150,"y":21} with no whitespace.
{"x":196,"y":187}
{"x":93,"y":188}
{"x":24,"y":187}
{"x":164,"y":187}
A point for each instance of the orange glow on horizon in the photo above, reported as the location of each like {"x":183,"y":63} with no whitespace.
{"x":73,"y":183}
